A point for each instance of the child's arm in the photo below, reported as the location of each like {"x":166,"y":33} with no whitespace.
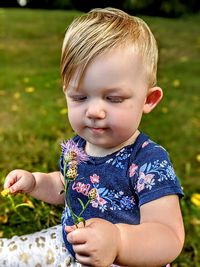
{"x":43,"y":186}
{"x":156,"y":241}
{"x":159,"y":238}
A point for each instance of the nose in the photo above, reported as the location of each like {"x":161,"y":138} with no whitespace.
{"x":95,"y":110}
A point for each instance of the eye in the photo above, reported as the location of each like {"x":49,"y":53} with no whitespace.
{"x":115,"y":99}
{"x":78,"y":98}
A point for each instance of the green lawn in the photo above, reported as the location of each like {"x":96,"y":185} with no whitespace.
{"x":33,"y":114}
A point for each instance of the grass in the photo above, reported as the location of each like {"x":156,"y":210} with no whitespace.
{"x":33,"y":112}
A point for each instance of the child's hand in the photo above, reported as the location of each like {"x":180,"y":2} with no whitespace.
{"x":97,"y":244}
{"x":20,"y":181}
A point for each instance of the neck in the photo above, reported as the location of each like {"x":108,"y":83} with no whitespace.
{"x":96,"y":151}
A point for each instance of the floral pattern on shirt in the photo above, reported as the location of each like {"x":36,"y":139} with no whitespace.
{"x":120,"y":157}
{"x":149,"y":173}
{"x":145,"y":175}
{"x":108,"y":199}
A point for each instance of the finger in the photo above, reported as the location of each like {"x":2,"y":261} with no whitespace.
{"x":17,"y":187}
{"x":70,"y":229}
{"x":10,"y":180}
{"x":81,"y":249}
{"x":84,"y":260}
{"x":78,"y":236}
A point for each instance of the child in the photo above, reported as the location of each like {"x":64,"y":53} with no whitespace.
{"x":108,"y":65}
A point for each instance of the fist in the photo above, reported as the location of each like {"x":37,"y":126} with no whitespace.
{"x":20,"y":181}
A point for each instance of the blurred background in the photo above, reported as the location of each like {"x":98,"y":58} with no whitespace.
{"x":33,"y":112}
{"x":169,"y":8}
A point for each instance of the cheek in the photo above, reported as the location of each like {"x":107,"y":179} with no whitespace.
{"x":127,"y":117}
{"x":71,"y":116}
{"x":74,"y":116}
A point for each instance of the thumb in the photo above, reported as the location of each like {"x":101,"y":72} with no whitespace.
{"x":70,"y":229}
{"x":16,"y":187}
{"x":17,"y":181}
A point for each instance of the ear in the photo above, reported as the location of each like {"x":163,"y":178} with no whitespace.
{"x":154,"y":96}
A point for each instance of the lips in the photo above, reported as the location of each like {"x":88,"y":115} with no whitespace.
{"x":97,"y":130}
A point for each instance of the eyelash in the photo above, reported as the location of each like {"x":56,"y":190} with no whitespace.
{"x":79,"y":98}
{"x":115,"y":99}
{"x":112,"y":99}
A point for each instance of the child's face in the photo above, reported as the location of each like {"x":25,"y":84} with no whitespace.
{"x":107,"y":107}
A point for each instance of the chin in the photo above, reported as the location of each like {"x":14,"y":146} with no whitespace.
{"x":99,"y":143}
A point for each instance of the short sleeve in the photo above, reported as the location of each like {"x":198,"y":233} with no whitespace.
{"x":152,"y":175}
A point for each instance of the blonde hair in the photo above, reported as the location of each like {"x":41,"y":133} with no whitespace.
{"x":101,"y":30}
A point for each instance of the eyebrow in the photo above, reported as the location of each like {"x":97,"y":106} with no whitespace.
{"x":120,"y":90}
{"x":75,"y":88}
{"x":114,"y":89}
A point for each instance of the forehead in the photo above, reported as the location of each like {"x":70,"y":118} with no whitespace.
{"x":110,"y":69}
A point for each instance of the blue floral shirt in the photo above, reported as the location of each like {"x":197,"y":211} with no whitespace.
{"x":124,"y":180}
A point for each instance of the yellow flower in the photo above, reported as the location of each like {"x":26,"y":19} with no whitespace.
{"x":176,"y":83}
{"x":4,"y":218}
{"x":164,"y":110}
{"x":16,"y":95}
{"x":29,"y":203}
{"x":29,"y":89}
{"x":198,"y":157}
{"x":14,"y":108}
{"x":195,"y":199}
{"x":63,"y":111}
{"x":5,"y":192}
{"x":195,"y":221}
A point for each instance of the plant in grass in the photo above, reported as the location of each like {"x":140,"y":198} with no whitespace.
{"x":195,"y":199}
{"x":72,"y":156}
{"x":6,"y":193}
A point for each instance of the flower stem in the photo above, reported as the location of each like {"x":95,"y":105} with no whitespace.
{"x":74,"y":216}
{"x":15,"y":208}
{"x":66,"y":188}
{"x":85,"y":207}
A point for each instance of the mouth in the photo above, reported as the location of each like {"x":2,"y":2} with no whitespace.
{"x":96,"y":130}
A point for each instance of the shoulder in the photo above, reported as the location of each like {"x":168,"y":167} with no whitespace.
{"x":151,"y":172}
{"x":148,"y":150}
{"x":150,"y":158}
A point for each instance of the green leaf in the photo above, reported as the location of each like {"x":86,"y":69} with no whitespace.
{"x":81,"y":202}
{"x":22,"y":205}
